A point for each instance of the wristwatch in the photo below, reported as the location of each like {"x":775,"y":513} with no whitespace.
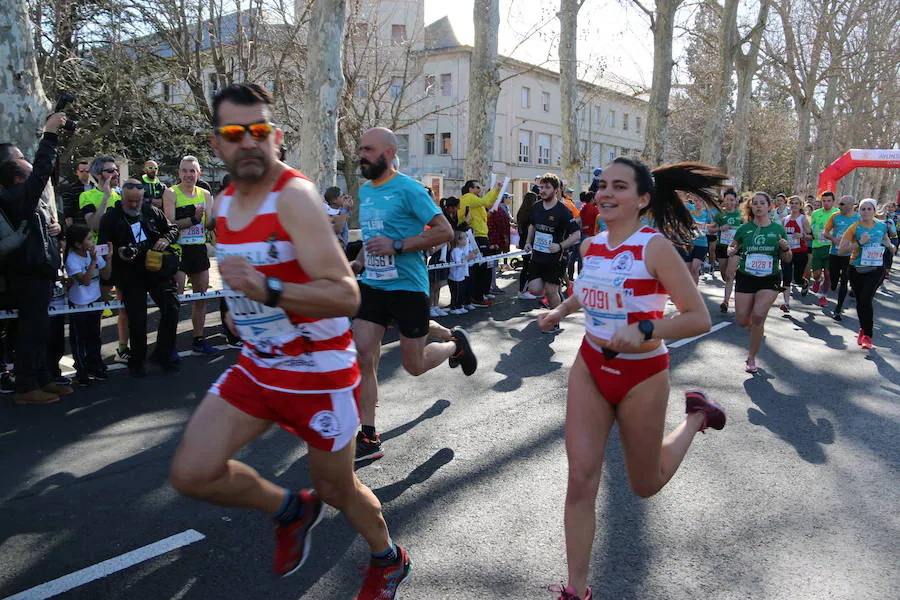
{"x":274,"y":289}
{"x":646,"y":327}
{"x":398,"y":246}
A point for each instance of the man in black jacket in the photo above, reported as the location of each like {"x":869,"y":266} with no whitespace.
{"x":32,"y":268}
{"x":134,"y":227}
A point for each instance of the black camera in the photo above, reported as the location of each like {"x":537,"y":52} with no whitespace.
{"x":129,"y":252}
{"x":65,"y":100}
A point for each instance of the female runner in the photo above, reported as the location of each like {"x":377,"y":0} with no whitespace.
{"x":799,"y":233}
{"x":621,"y":373}
{"x":760,"y":243}
{"x":726,"y":224}
{"x":869,"y":240}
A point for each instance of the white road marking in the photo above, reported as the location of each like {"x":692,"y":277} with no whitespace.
{"x":685,"y":341}
{"x":108,"y":567}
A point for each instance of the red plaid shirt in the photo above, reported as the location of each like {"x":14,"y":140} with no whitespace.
{"x":498,"y":228}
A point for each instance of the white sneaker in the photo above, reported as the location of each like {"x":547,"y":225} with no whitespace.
{"x":527,"y":296}
{"x":440,"y":311}
{"x":490,"y":296}
{"x":469,"y":307}
{"x":432,"y":312}
{"x":459,"y":311}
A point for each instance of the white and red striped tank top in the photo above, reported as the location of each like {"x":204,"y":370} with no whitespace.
{"x":615,"y":288}
{"x":796,"y":235}
{"x":283,"y":351}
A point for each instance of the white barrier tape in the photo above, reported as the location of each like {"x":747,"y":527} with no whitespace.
{"x":60,"y":306}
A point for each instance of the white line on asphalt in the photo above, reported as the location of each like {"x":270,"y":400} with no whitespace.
{"x":685,"y":341}
{"x":108,"y":567}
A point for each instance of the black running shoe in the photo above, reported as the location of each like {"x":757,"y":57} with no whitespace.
{"x":465,"y":357}
{"x":837,"y":316}
{"x":367,"y":449}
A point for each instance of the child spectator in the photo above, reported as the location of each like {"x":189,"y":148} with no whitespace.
{"x":459,"y":274}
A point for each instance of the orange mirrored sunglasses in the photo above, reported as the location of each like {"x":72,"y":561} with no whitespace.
{"x":235,"y":133}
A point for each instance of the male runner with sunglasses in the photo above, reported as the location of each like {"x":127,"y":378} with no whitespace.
{"x":298,"y":365}
{"x":185,"y":205}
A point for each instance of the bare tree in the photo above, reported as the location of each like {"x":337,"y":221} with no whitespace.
{"x":568,"y":89}
{"x":23,"y":105}
{"x":662,"y":24}
{"x":324,"y":85}
{"x":714,"y":131}
{"x":746,"y":66}
{"x":484,"y":89}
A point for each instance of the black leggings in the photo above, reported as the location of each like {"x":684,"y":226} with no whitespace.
{"x":794,"y":270}
{"x":523,"y":275}
{"x":838,"y":272}
{"x":864,"y":286}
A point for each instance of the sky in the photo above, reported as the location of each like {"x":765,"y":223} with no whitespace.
{"x":613,"y":34}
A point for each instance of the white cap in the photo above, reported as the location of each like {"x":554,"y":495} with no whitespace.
{"x":871,"y":201}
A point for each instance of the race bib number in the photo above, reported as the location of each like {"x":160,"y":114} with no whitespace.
{"x":195,"y":234}
{"x":794,"y":240}
{"x":603,"y":300}
{"x":821,"y":236}
{"x":871,"y":256}
{"x":381,"y":268}
{"x":759,"y":265}
{"x":542,"y":241}
{"x":727,"y":236}
{"x":257,"y":323}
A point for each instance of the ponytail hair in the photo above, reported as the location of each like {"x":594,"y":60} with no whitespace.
{"x":669,"y":214}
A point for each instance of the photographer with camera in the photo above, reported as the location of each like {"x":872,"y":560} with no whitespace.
{"x":31,"y":268}
{"x":142,"y":264}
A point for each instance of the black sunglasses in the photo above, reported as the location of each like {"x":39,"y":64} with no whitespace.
{"x":133,"y":186}
{"x":110,"y":170}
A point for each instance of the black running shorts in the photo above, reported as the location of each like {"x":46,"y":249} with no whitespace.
{"x":409,"y":310}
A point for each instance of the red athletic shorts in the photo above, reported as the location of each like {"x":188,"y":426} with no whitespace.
{"x":615,"y":378}
{"x":327,"y":421}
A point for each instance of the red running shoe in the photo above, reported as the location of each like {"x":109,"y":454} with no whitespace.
{"x":383,"y":577}
{"x":785,"y":308}
{"x":568,"y":593}
{"x":866,"y":342}
{"x":859,"y":338}
{"x":816,"y":285}
{"x":823,"y":301}
{"x":544,"y":302}
{"x":713,"y":414}
{"x":292,"y":541}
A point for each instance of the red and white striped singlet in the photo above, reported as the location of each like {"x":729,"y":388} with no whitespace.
{"x":615,"y":288}
{"x":283,"y":351}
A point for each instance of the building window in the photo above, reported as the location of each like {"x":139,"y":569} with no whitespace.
{"x":524,"y":146}
{"x":430,"y":83}
{"x":398,"y":33}
{"x":543,"y":143}
{"x":396,"y":87}
{"x":446,"y":143}
{"x":403,"y":148}
{"x":581,"y":117}
{"x":612,"y":118}
{"x":429,"y":143}
{"x":637,"y":124}
{"x":595,"y":156}
{"x":361,"y":89}
{"x":360,"y":33}
{"x":545,"y":101}
{"x":624,"y":121}
{"x":446,"y":84}
{"x":597,"y":115}
{"x":526,"y":97}
{"x":611,"y":155}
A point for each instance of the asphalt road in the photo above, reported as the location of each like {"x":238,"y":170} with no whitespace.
{"x":796,"y":498}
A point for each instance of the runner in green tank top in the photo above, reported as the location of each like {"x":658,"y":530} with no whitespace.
{"x":185,"y":205}
{"x":726,"y":224}
{"x":821,"y":247}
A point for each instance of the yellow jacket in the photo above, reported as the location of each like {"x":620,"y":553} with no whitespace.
{"x":477,"y":211}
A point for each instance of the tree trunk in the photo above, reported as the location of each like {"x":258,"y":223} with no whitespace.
{"x":568,"y":84}
{"x":746,"y":66}
{"x":663,"y":27}
{"x":714,"y":131}
{"x":23,"y":105}
{"x":801,"y":162}
{"x":324,"y":82}
{"x":484,"y":89}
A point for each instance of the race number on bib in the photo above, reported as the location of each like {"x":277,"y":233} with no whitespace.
{"x":727,"y":236}
{"x":759,"y":265}
{"x":871,"y":256}
{"x":381,"y":268}
{"x":257,"y":323}
{"x":603,"y":300}
{"x":195,"y":234}
{"x":542,"y":241}
{"x":821,"y":236}
{"x":794,"y":240}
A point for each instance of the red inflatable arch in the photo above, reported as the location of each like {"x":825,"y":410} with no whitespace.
{"x":855,"y":159}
